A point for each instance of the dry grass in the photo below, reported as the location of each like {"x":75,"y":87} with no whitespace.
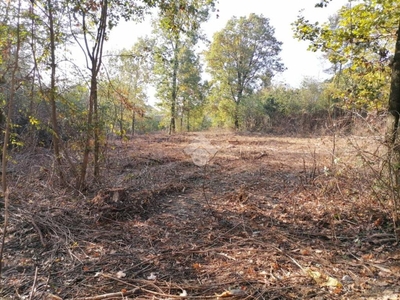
{"x":260,"y":221}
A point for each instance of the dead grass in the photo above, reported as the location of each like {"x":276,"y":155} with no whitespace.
{"x":267,"y":218}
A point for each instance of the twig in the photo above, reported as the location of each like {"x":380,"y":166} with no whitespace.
{"x":371,"y":264}
{"x":33,"y":285}
{"x":39,"y":232}
{"x":110,"y":295}
{"x":5,"y":225}
{"x":160,"y":293}
{"x":129,"y":284}
{"x":295,"y":261}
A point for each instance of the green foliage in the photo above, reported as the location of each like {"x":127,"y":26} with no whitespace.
{"x":311,"y":97}
{"x":272,"y":105}
{"x":116,"y":10}
{"x":190,"y":96}
{"x":179,"y":17}
{"x":177,"y":68}
{"x":358,"y":42}
{"x":123,"y":95}
{"x":242,"y":59}
{"x":256,"y":112}
{"x":222,"y":112}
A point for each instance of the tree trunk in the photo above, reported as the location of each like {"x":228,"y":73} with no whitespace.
{"x":188,"y":121}
{"x":237,"y":101}
{"x":96,"y":153}
{"x":172,"y":126}
{"x":95,"y":54}
{"x":89,"y":130}
{"x":394,"y":100}
{"x":121,"y":121}
{"x":393,"y":137}
{"x":133,"y":121}
{"x":10,"y":106}
{"x":52,"y":98}
{"x":34,"y":74}
{"x":174,"y":93}
{"x":236,"y":115}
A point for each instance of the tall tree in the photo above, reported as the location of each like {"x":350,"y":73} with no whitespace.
{"x":95,"y":19}
{"x":130,"y":73}
{"x":191,"y":89}
{"x":243,"y":57}
{"x":54,"y":34}
{"x":86,"y":14}
{"x":179,"y":23}
{"x":13,"y":49}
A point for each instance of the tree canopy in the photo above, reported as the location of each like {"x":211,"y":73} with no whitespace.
{"x":243,"y":58}
{"x":358,"y":41}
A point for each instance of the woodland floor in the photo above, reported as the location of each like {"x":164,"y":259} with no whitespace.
{"x":267,"y":218}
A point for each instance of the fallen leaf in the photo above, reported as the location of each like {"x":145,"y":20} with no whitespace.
{"x":337,"y":290}
{"x":196,"y":266}
{"x":224,"y":294}
{"x":231,"y":293}
{"x":332,"y":282}
{"x":322,"y":279}
{"x":368,"y":256}
{"x":275,"y":266}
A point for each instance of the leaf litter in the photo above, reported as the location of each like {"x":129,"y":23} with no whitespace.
{"x":264,"y":219}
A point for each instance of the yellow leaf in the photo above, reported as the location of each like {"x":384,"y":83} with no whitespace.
{"x":332,"y":282}
{"x":224,"y":294}
{"x":323,"y":279}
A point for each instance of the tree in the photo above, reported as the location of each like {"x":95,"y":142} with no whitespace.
{"x":178,"y":24}
{"x":95,"y":19}
{"x":129,"y":73}
{"x":357,"y":42}
{"x":243,"y":58}
{"x":365,"y":40}
{"x":10,"y":104}
{"x":191,"y":89}
{"x":87,"y":13}
{"x":54,"y":34}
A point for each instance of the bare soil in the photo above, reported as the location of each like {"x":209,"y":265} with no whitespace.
{"x":265,"y":218}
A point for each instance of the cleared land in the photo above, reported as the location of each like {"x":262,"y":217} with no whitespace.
{"x":266,"y":218}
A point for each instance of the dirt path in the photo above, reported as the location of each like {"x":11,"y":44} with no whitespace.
{"x":265,"y":218}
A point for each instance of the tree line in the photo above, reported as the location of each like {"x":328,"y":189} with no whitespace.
{"x":48,"y":98}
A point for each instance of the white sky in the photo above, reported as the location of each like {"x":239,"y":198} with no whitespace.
{"x":298,"y":61}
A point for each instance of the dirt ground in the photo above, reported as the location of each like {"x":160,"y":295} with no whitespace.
{"x":206,"y":216}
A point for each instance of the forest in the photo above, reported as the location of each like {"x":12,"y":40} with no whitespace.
{"x":179,"y":169}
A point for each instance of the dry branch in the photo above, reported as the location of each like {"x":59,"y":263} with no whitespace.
{"x":110,"y":295}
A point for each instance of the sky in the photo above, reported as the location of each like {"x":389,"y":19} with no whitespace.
{"x":299,"y":62}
